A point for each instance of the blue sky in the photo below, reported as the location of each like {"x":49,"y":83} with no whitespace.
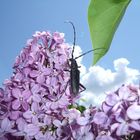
{"x":20,"y":19}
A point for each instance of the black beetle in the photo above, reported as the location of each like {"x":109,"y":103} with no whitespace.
{"x":74,"y":72}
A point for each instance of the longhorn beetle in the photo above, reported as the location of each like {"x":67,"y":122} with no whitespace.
{"x":74,"y":72}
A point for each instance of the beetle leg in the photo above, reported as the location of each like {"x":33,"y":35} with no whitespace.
{"x":79,"y":66}
{"x":66,"y":70}
{"x":83,"y":88}
{"x":62,"y":93}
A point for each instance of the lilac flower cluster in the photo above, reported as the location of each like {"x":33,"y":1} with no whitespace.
{"x":39,"y":89}
{"x":121,"y":113}
{"x":37,"y":102}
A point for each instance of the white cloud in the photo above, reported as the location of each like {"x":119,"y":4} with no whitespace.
{"x":98,"y":80}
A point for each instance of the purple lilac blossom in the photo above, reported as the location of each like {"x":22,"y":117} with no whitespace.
{"x":39,"y":89}
{"x":35,"y":102}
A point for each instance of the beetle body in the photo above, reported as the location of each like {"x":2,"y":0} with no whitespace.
{"x":74,"y":71}
{"x":74,"y":77}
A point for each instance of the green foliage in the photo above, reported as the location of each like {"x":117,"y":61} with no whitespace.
{"x":104,"y":17}
{"x":81,"y":108}
{"x":78,"y":107}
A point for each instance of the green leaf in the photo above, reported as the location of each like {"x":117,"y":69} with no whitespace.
{"x":104,"y":17}
{"x":71,"y":106}
{"x":81,"y":108}
{"x":78,"y":107}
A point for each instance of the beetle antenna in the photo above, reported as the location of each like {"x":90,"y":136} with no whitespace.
{"x":88,"y":52}
{"x":74,"y":37}
{"x":139,"y":82}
